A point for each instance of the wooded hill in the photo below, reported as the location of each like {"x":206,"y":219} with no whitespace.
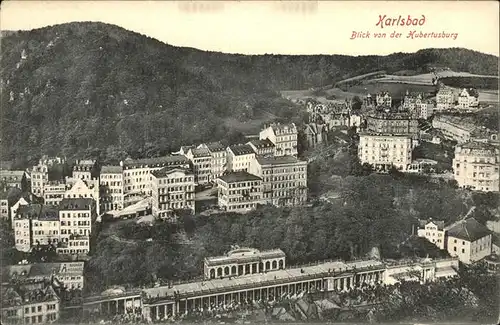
{"x":93,"y":89}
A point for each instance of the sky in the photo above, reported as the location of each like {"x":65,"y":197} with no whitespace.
{"x":278,"y":27}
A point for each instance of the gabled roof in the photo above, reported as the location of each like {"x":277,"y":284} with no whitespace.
{"x":75,"y":204}
{"x":423,"y":223}
{"x":215,"y":146}
{"x":468,"y":229}
{"x":281,"y":160}
{"x":108,"y":169}
{"x":155,"y":162}
{"x":165,"y":171}
{"x":260,"y":144}
{"x":200,"y":152}
{"x":240,"y":176}
{"x":241,"y":149}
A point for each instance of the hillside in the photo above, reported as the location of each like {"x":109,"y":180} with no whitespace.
{"x":93,"y":89}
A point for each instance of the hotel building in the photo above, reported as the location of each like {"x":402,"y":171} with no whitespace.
{"x":433,"y":231}
{"x":239,"y":157}
{"x":468,"y":240}
{"x":172,"y":190}
{"x":239,"y":191}
{"x":218,"y":162}
{"x":201,"y":160}
{"x":284,"y":179}
{"x":475,"y":166}
{"x":384,"y":150}
{"x":111,"y":188}
{"x":283,"y":137}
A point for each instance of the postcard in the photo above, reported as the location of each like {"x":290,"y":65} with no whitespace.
{"x":249,"y":162}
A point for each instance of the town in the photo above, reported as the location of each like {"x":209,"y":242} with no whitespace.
{"x":52,"y":209}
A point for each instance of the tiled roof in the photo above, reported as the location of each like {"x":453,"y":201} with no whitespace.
{"x":157,"y":162}
{"x":239,"y":176}
{"x":215,"y":146}
{"x":282,"y":160}
{"x":75,"y":204}
{"x":423,"y":223}
{"x":241,"y":149}
{"x":12,"y":174}
{"x":169,"y":170}
{"x":468,"y":229}
{"x":111,"y":169}
{"x":259,"y":144}
{"x":200,"y":152}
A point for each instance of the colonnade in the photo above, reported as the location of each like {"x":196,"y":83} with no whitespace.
{"x":243,"y":269}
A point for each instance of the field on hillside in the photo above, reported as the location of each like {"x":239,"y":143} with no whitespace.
{"x":426,"y":79}
{"x":397,"y":90}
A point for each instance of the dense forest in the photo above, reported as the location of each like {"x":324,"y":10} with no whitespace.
{"x":471,"y":82}
{"x":93,"y":89}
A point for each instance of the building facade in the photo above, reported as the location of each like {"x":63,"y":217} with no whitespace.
{"x":173,"y":190}
{"x":239,"y":157}
{"x":201,"y":160}
{"x":433,"y":231}
{"x":468,"y":99}
{"x":392,"y":123}
{"x":283,"y":136}
{"x":476,"y":166}
{"x":383,"y":151}
{"x":39,"y":177}
{"x":468,"y":240}
{"x":111,"y":188}
{"x":284,"y":179}
{"x":84,"y":169}
{"x":53,"y":192}
{"x":262,"y":147}
{"x":445,"y":98}
{"x":454,"y":128}
{"x":239,"y":191}
{"x":13,"y":178}
{"x":384,"y":99}
{"x":218,"y":162}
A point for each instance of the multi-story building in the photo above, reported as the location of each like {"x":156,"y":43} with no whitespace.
{"x":53,"y":192}
{"x":262,"y":147}
{"x":137,"y":173}
{"x":239,"y":191}
{"x":30,"y":306}
{"x":173,"y":190}
{"x":84,"y":169}
{"x":475,"y":166}
{"x":284,"y":179}
{"x":23,"y":201}
{"x":76,"y":216}
{"x":315,"y":134}
{"x":392,"y":123}
{"x":219,"y":159}
{"x":13,"y":178}
{"x":4,"y":205}
{"x":468,"y":99}
{"x":239,"y":157}
{"x":201,"y":160}
{"x":283,"y":136}
{"x":468,"y":240}
{"x":445,"y":98}
{"x":111,"y":187}
{"x":433,"y":231}
{"x":35,"y":224}
{"x":426,"y":110}
{"x":383,"y":151}
{"x":80,"y":188}
{"x":384,"y":99}
{"x":39,"y":177}
{"x":454,"y":128}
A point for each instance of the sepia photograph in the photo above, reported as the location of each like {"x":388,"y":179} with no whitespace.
{"x":249,"y":162}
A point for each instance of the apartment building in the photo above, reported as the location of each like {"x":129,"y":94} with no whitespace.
{"x":475,"y":166}
{"x":468,"y":99}
{"x":239,"y":157}
{"x":239,"y":191}
{"x":454,"y":127}
{"x":392,"y":123}
{"x":35,"y":224}
{"x":137,"y":173}
{"x":13,"y":178}
{"x":53,"y":192}
{"x":85,"y":169}
{"x":445,"y":98}
{"x":173,"y":190}
{"x":384,"y":98}
{"x":284,"y":179}
{"x":23,"y":201}
{"x":4,"y":205}
{"x":283,"y":136}
{"x":39,"y":177}
{"x":84,"y":188}
{"x":383,"y":151}
{"x":218,"y":161}
{"x":468,"y":240}
{"x":32,"y":306}
{"x":111,"y":187}
{"x":433,"y":231}
{"x":262,"y":147}
{"x":201,"y":160}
